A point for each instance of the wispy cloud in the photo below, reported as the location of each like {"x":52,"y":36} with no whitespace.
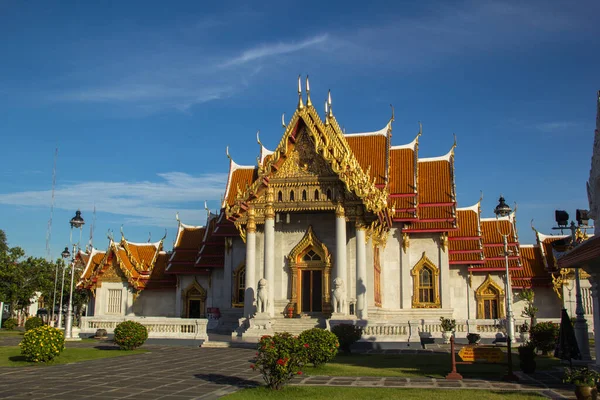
{"x":273,"y":49}
{"x":148,"y":203}
{"x":556,"y":126}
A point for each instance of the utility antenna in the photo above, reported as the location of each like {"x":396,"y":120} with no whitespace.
{"x":49,"y":230}
{"x":92,"y":228}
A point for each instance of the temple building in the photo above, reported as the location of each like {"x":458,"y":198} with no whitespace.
{"x":334,"y":226}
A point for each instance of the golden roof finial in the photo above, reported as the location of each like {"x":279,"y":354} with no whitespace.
{"x":420,"y":129}
{"x":326,"y":113}
{"x":308,"y":102}
{"x":329,"y":103}
{"x":227,"y":153}
{"x":283,"y":120}
{"x":300,"y":103}
{"x":392,"y":119}
{"x":258,"y":137}
{"x":453,"y":144}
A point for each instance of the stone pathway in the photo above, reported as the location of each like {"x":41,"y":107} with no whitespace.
{"x":186,"y":373}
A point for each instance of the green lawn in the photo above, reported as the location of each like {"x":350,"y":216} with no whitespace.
{"x":10,"y":356}
{"x":413,"y":365}
{"x":346,"y":393}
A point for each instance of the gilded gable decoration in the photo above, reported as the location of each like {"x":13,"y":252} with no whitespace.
{"x":490,"y":300}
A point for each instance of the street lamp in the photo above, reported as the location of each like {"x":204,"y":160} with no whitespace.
{"x":503,"y":210}
{"x":581,"y":326}
{"x":76,"y":222}
{"x":65,"y":254}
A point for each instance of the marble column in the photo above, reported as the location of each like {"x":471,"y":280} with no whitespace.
{"x":270,"y":251}
{"x":444,"y":265}
{"x":581,"y":326}
{"x":361,"y":271}
{"x":596,"y":312}
{"x":340,"y":251}
{"x":250,"y":284}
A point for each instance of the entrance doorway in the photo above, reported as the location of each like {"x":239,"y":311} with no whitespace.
{"x":195,"y":307}
{"x":312,"y":290}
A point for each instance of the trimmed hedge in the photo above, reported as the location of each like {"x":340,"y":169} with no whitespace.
{"x":42,"y":344}
{"x":130,"y":335}
{"x":9,"y":324}
{"x":347,"y":335}
{"x":33,"y":322}
{"x":321,"y":345}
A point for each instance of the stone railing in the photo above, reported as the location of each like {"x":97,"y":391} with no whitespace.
{"x":158,"y":327}
{"x":413,"y":330}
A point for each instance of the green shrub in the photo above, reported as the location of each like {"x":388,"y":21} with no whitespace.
{"x":347,"y":335}
{"x":33,"y":322}
{"x":42,"y":344}
{"x":130,"y":335}
{"x":279,"y":358}
{"x":544,"y":336}
{"x":321,"y":345}
{"x":9,"y":324}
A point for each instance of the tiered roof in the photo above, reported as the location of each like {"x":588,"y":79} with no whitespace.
{"x":533,"y":272}
{"x":185,"y":249}
{"x":141,"y":264}
{"x":493,"y":230}
{"x":466,"y":242}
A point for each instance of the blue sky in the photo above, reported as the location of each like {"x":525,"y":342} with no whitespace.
{"x":142,"y":98}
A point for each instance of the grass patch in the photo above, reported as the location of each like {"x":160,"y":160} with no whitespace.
{"x":415,"y":365}
{"x":10,"y":356}
{"x":4,"y":332}
{"x":345,"y":393}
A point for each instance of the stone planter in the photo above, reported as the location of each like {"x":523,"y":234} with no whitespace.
{"x":446,"y":335}
{"x":474,"y":338}
{"x":586,"y":393}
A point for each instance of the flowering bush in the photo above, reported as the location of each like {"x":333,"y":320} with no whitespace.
{"x":279,"y":358}
{"x":321,"y":345}
{"x":347,"y":335}
{"x":42,"y":344}
{"x":130,"y":335}
{"x":581,"y":376}
{"x":33,"y":322}
{"x":9,"y":324}
{"x":544,"y":336}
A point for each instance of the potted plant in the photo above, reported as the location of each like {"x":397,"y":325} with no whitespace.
{"x":474,"y":338}
{"x":527,"y":357}
{"x":585,"y":381}
{"x":524,"y":332}
{"x":448,"y":325}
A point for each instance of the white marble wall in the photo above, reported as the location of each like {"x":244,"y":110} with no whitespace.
{"x":101,"y":303}
{"x":155,"y":303}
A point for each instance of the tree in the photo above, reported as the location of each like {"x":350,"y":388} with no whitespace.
{"x":530,"y":310}
{"x":3,"y":242}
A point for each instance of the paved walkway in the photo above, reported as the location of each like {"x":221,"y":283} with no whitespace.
{"x":186,"y":373}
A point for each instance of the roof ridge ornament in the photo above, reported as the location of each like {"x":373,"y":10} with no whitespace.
{"x":227,"y":153}
{"x":326,"y":113}
{"x":122,"y":233}
{"x":258,"y":138}
{"x":300,"y":103}
{"x":420,"y":129}
{"x":392,"y":118}
{"x":283,"y":121}
{"x":308,"y":102}
{"x":330,"y":114}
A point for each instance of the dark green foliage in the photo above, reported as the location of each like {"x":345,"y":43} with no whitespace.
{"x":544,"y":336}
{"x":321,"y":345}
{"x":130,"y":335}
{"x":527,"y":358}
{"x":347,"y":335}
{"x":42,"y":344}
{"x":10,"y":324}
{"x":33,"y":322}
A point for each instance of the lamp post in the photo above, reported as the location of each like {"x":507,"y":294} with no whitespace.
{"x":503,"y":210}
{"x":76,"y":222}
{"x":65,"y":255}
{"x":580,"y":326}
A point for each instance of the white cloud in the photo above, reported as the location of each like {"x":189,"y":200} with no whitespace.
{"x":143,"y":203}
{"x":556,"y":126}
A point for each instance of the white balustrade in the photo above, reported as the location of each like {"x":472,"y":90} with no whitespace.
{"x":158,"y":327}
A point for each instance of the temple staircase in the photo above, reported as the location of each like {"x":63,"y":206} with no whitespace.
{"x":296,"y":326}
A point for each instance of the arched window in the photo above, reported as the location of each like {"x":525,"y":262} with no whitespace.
{"x":239,"y":285}
{"x":490,"y":300}
{"x":279,"y":196}
{"x":425,"y":284}
{"x":311,"y":256}
{"x":292,"y":195}
{"x":316,"y":194}
{"x":304,"y":195}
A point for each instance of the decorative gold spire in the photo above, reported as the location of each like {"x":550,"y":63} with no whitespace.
{"x":227,"y":153}
{"x":329,"y":103}
{"x":283,"y":120}
{"x":326,"y":113}
{"x":300,"y":103}
{"x":308,"y":102}
{"x":392,"y":119}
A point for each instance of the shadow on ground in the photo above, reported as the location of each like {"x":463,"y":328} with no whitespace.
{"x":227,"y":380}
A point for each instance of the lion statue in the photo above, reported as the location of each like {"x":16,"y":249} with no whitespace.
{"x":262,"y":298}
{"x":338,"y":296}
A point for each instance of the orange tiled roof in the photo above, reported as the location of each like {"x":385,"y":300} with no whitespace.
{"x":94,"y":260}
{"x":238,"y":177}
{"x":369,"y":150}
{"x":186,"y":248}
{"x":533,"y":273}
{"x":436,"y":202}
{"x":159,"y":279}
{"x":402,"y":184}
{"x":545,"y":243}
{"x":493,"y":245}
{"x":466,"y":243}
